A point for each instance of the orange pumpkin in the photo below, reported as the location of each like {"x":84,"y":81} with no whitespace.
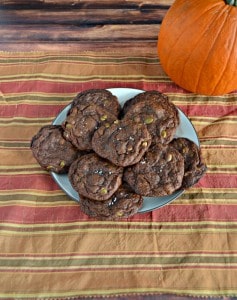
{"x":197,"y":45}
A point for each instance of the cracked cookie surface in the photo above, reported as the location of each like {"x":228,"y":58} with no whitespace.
{"x":194,"y":167}
{"x":159,"y":173}
{"x":157,"y":112}
{"x":99,"y":97}
{"x":122,"y":142}
{"x":81,"y":123}
{"x":94,"y":177}
{"x":52,"y":151}
{"x":122,"y":204}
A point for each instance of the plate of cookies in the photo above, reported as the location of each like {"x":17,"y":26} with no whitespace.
{"x":120,"y":151}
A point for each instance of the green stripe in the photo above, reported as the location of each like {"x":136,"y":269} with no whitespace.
{"x":75,"y":231}
{"x":218,"y":142}
{"x":14,"y":145}
{"x":37,"y":98}
{"x":194,"y":99}
{"x":62,"y":98}
{"x":204,"y":195}
{"x":71,"y":59}
{"x":121,"y":292}
{"x":117,"y":261}
{"x":36,"y":198}
{"x":76,"y":79}
{"x":49,"y":197}
{"x":19,"y":120}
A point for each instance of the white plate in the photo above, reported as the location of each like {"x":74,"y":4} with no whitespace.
{"x":185,"y":129}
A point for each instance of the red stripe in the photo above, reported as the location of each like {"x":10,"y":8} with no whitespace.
{"x":68,"y":87}
{"x":218,"y":181}
{"x":32,"y":182}
{"x":30,"y":111}
{"x":169,"y":213}
{"x":216,"y":111}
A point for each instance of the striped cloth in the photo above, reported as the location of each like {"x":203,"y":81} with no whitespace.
{"x":50,"y":249}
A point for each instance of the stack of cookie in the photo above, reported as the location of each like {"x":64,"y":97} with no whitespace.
{"x":115,"y":155}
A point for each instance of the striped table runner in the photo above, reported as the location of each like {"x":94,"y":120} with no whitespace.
{"x":49,"y":249}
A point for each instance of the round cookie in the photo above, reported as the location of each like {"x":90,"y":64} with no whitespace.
{"x":99,"y":97}
{"x":81,"y":123}
{"x":94,"y":177}
{"x":159,"y":173}
{"x":144,"y":96}
{"x":52,"y":151}
{"x":157,"y":112}
{"x":122,"y":142}
{"x":124,"y":203}
{"x":194,"y":168}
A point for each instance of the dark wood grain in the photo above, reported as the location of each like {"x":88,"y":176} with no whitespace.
{"x":85,"y":3}
{"x":73,"y":33}
{"x":82,"y":16}
{"x":75,"y":24}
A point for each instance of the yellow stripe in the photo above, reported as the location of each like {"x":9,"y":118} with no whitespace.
{"x":31,"y":166}
{"x":125,"y":224}
{"x":222,"y":166}
{"x":70,"y":202}
{"x":101,"y":230}
{"x":195,"y":122}
{"x":24,"y":119}
{"x":59,"y":193}
{"x":199,"y":201}
{"x":71,"y":78}
{"x":37,"y":172}
{"x":130,"y":291}
{"x":124,"y":255}
{"x":210,"y":190}
{"x":117,"y":266}
{"x":31,"y":192}
{"x":40,"y":122}
{"x":222,"y":171}
{"x":53,"y":203}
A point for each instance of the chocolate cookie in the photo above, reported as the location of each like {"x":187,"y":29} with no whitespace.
{"x":94,"y":177}
{"x":123,"y":204}
{"x":146,"y":95}
{"x":159,"y":173}
{"x":194,"y":168}
{"x":122,"y":142}
{"x":51,"y":150}
{"x":99,"y":97}
{"x":81,"y":123}
{"x":157,"y":112}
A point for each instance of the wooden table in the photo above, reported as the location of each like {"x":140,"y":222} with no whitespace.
{"x":80,"y":25}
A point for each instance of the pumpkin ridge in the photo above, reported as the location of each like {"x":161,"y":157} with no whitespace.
{"x":191,"y":50}
{"x":211,"y":48}
{"x":227,"y":60}
{"x":181,"y":33}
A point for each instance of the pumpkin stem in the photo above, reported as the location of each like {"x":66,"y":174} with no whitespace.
{"x":232,"y":2}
